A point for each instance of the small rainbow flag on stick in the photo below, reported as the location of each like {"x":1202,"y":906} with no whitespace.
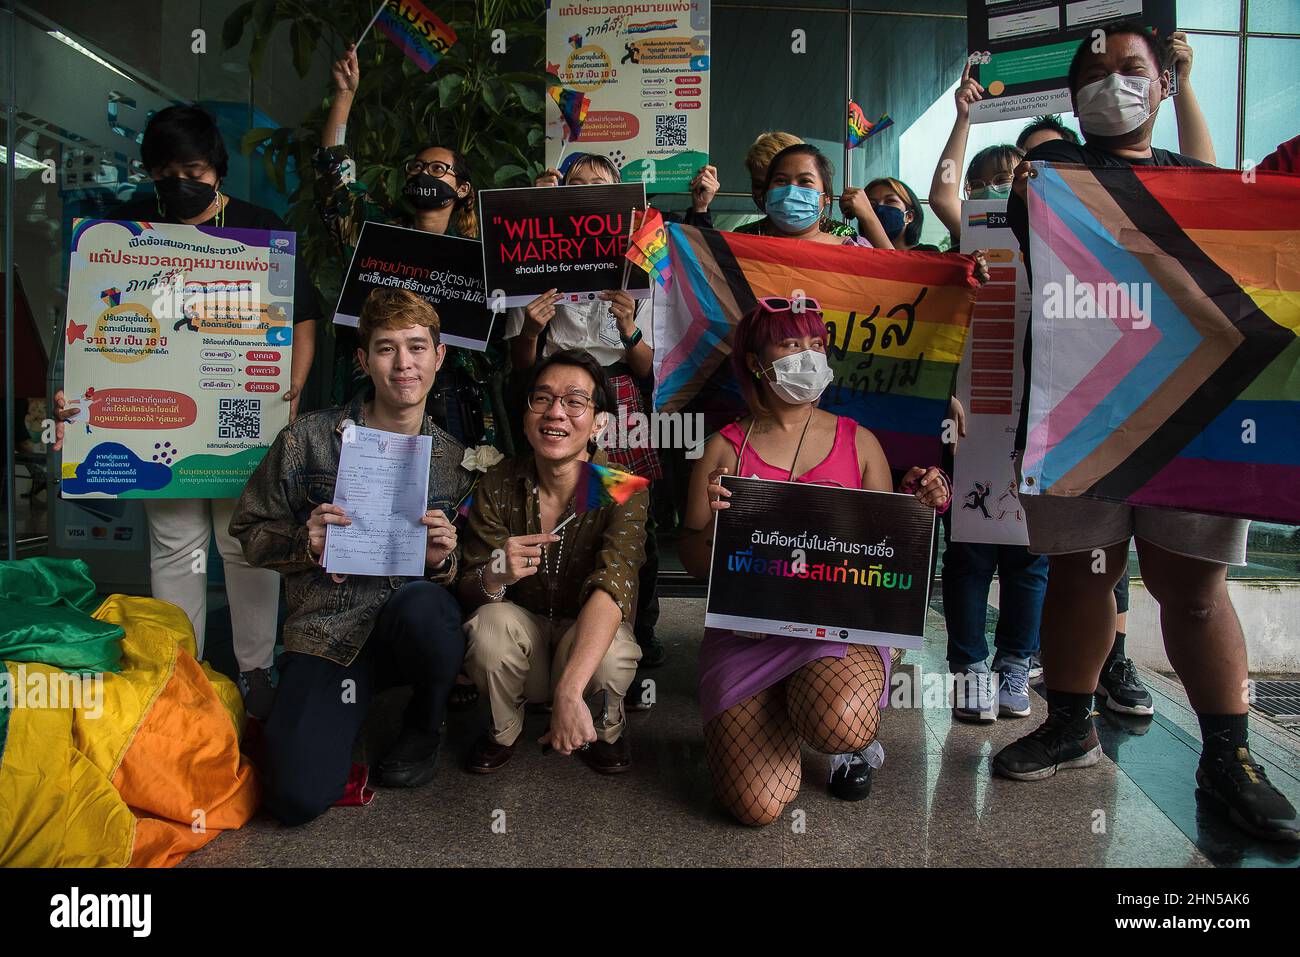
{"x":573,"y":108}
{"x":416,"y":29}
{"x":599,"y":485}
{"x":648,"y":248}
{"x":861,"y":129}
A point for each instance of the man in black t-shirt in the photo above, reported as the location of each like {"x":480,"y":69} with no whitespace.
{"x":1117,"y":83}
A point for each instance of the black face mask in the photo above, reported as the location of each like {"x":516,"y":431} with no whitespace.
{"x":184,"y":198}
{"x":427,"y":192}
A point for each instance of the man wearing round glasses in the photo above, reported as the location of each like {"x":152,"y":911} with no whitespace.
{"x":554,"y":612}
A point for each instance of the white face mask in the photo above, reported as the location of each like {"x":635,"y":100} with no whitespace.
{"x":801,"y":377}
{"x":1115,"y":105}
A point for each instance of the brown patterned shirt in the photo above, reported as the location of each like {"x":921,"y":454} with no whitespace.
{"x":603,"y":548}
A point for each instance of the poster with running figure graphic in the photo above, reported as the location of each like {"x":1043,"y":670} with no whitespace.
{"x":822,"y":562}
{"x":645,"y":68}
{"x":178,"y":346}
{"x":990,"y":384}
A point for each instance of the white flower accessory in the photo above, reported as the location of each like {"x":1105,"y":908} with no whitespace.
{"x":481,"y":458}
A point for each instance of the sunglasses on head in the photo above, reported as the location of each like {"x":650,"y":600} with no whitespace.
{"x":781,"y":304}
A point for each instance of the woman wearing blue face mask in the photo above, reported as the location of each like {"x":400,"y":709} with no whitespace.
{"x":798,"y":202}
{"x":899,"y":213}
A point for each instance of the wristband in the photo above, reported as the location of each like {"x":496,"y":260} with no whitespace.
{"x":629,"y":342}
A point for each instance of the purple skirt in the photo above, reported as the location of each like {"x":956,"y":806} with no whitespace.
{"x":734,"y":668}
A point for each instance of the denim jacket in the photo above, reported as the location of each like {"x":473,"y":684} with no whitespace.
{"x":327,"y":618}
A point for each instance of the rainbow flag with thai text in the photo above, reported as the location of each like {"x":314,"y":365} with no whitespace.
{"x":649,"y":247}
{"x":897,"y":321}
{"x":417,"y":30}
{"x":1165,"y":364}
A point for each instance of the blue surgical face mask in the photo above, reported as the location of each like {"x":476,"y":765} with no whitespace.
{"x":892,"y":220}
{"x":793,"y":208}
{"x":992,"y":192}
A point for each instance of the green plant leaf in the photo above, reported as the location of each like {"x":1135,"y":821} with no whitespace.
{"x":254,"y":138}
{"x":530,"y":98}
{"x":303,"y":47}
{"x":450,"y":88}
{"x":508,"y":172}
{"x":492,"y":95}
{"x":232,"y":31}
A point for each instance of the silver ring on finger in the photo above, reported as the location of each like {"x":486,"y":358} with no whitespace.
{"x":528,"y":563}
{"x":584,"y":747}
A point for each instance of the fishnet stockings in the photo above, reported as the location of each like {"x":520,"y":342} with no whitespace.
{"x":754,"y":760}
{"x":753,"y":747}
{"x":834,"y":703}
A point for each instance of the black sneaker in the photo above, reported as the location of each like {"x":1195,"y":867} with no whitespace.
{"x":1238,"y":787}
{"x":1123,"y":689}
{"x":851,"y":780}
{"x":411,"y":762}
{"x":1055,"y":745}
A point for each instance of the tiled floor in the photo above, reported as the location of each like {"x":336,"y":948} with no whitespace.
{"x":933,"y":803}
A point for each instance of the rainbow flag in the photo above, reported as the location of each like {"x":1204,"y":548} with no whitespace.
{"x":600,"y":485}
{"x":649,"y":247}
{"x":110,"y":774}
{"x":861,"y":129}
{"x":417,"y":30}
{"x":898,"y":323}
{"x":573,"y":108}
{"x":1165,"y":364}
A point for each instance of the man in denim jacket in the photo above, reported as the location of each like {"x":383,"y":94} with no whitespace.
{"x":348,"y":636}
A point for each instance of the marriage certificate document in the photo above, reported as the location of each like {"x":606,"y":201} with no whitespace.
{"x":383,"y":486}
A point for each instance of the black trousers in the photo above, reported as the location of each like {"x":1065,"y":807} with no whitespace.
{"x":320,"y":705}
{"x":647,"y":596}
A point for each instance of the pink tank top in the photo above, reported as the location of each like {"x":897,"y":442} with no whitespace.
{"x":840,"y":467}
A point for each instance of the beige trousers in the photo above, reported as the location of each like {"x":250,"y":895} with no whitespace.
{"x":179,"y":532}
{"x":515,"y":656}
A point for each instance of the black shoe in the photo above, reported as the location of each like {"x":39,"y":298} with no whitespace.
{"x":653,"y":652}
{"x":411,"y":762}
{"x":851,"y":781}
{"x":608,"y":757}
{"x":1123,"y":689}
{"x":1237,"y":785}
{"x":1055,"y":745}
{"x":258,"y":692}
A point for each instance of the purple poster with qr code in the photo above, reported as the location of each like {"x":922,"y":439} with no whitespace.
{"x":178,"y":343}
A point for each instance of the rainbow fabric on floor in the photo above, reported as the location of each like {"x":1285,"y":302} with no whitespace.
{"x":135,"y":766}
{"x":599,"y":485}
{"x":423,"y":37}
{"x":1165,"y":361}
{"x":898,"y":323}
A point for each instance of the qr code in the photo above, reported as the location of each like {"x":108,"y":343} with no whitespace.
{"x":239,"y":418}
{"x":670,"y":129}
